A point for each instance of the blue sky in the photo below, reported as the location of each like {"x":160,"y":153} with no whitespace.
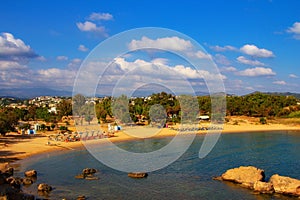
{"x":255,"y":43}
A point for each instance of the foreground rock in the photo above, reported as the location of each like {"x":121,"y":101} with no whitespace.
{"x":30,"y":173}
{"x":244,"y":175}
{"x":10,"y":186}
{"x":253,"y":178}
{"x":263,"y":187}
{"x":43,"y":187}
{"x":285,"y":185}
{"x":89,"y":171}
{"x":87,"y":174}
{"x":137,"y":175}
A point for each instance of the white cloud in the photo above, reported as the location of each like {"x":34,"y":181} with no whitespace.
{"x":61,"y":58}
{"x":100,"y":16}
{"x":74,"y":64}
{"x":202,"y":55}
{"x":159,"y":61}
{"x":257,"y":71}
{"x":82,"y":48}
{"x":41,"y":58}
{"x":221,"y":59}
{"x":253,"y":50}
{"x":12,"y":48}
{"x":88,"y":26}
{"x":280,"y":82}
{"x":246,"y":61}
{"x":55,"y":77}
{"x":295,"y":28}
{"x":224,"y":48}
{"x":293,"y":76}
{"x":166,"y":43}
{"x":160,"y":66}
{"x":9,"y":65}
{"x":228,"y":69}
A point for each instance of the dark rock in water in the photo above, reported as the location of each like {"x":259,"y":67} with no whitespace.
{"x":137,"y":175}
{"x":80,"y":176}
{"x":27,"y":181}
{"x":8,"y":172}
{"x":263,"y":187}
{"x":88,"y":171}
{"x":91,"y":178}
{"x":15,"y":182}
{"x":244,"y":175}
{"x":82,"y":197}
{"x":217,"y":178}
{"x":31,"y":173}
{"x":43,"y":187}
{"x":285,"y":185}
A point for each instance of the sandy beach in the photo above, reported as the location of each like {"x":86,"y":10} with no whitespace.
{"x":15,"y":147}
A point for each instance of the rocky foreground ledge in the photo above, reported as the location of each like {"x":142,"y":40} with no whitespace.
{"x":253,"y":178}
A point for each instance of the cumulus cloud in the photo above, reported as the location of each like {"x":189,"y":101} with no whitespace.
{"x":246,"y":61}
{"x":293,"y":76}
{"x":167,"y":43}
{"x":88,"y":26}
{"x":12,"y":48}
{"x":253,"y":50}
{"x":61,"y":58}
{"x":55,"y":77}
{"x":257,"y":71}
{"x":228,"y":69}
{"x":82,"y":48}
{"x":74,"y":64}
{"x":221,"y":59}
{"x":202,"y":55}
{"x":280,"y":82}
{"x":224,"y":48}
{"x":100,"y":16}
{"x":10,"y":65}
{"x":295,"y":29}
{"x":168,"y":72}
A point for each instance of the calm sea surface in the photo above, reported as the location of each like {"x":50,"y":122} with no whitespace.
{"x":187,"y":178}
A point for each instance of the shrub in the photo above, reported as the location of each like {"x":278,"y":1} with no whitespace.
{"x":263,"y":120}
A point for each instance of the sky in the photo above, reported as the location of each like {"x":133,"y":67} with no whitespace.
{"x":254,"y":44}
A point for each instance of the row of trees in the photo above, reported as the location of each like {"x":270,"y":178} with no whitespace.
{"x":154,"y":108}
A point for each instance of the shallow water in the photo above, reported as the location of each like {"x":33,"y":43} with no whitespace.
{"x":187,"y":178}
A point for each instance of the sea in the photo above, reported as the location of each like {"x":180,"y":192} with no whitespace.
{"x":189,"y":177}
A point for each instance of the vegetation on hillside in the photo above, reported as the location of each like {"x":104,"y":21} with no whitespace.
{"x":141,"y":109}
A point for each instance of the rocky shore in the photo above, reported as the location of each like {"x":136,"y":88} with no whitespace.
{"x":253,"y":178}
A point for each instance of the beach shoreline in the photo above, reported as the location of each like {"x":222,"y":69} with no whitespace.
{"x":16,"y":147}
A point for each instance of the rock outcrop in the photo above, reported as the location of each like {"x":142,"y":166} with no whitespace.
{"x":244,"y":175}
{"x":137,"y":175}
{"x":10,"y":186}
{"x":89,"y":171}
{"x":87,"y":174}
{"x":30,"y":173}
{"x":253,"y":178}
{"x":263,"y":187}
{"x":43,"y":187}
{"x":285,"y":185}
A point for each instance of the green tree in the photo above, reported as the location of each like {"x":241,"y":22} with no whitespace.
{"x":8,"y":121}
{"x":42,"y":114}
{"x":64,"y":108}
{"x":78,"y":103}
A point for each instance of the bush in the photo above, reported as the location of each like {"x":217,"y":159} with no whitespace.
{"x":63,"y":128}
{"x":295,"y":114}
{"x":235,"y":122}
{"x":263,"y":120}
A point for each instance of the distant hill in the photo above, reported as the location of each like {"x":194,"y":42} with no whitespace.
{"x":297,"y":95}
{"x":22,"y":93}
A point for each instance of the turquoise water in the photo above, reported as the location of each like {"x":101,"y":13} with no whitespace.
{"x":187,"y":178}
